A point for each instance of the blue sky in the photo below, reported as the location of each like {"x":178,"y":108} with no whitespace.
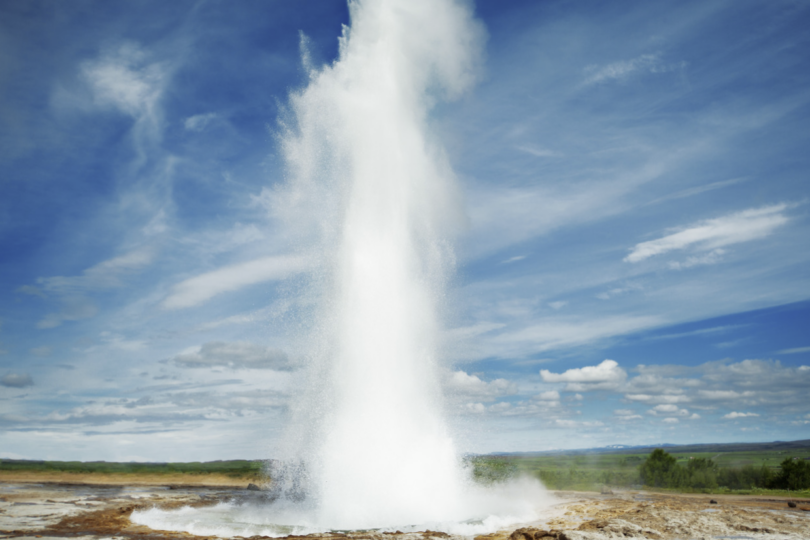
{"x":634,"y":268}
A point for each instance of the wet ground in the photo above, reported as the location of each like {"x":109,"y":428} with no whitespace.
{"x":103,"y":512}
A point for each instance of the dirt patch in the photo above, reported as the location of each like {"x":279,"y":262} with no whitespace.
{"x":93,"y":512}
{"x":104,"y":479}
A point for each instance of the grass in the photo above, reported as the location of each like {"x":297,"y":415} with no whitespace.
{"x":590,"y":472}
{"x":233,"y":469}
{"x":572,"y":471}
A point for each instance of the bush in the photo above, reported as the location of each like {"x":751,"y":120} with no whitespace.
{"x":701,"y":473}
{"x":794,"y":475}
{"x":748,"y":477}
{"x":661,"y":470}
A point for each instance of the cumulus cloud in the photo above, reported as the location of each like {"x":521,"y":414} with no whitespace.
{"x":480,"y":408}
{"x":733,"y":415}
{"x":199,"y":289}
{"x":626,"y":414}
{"x":712,"y":234}
{"x":607,"y":375}
{"x":551,"y":395}
{"x":462,"y":384}
{"x":653,"y":398}
{"x":162,"y":409}
{"x":670,"y":420}
{"x":577,"y":423}
{"x":668,"y":409}
{"x":756,"y":385}
{"x":16,"y":380}
{"x":236,"y":355}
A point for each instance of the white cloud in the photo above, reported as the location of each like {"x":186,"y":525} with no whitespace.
{"x":711,"y":234}
{"x":721,"y":394}
{"x":16,"y":380}
{"x":479,"y":408}
{"x":650,"y":63}
{"x":606,"y":375}
{"x":713,"y":257}
{"x":651,"y":398}
{"x":41,"y":351}
{"x":616,"y":291}
{"x":621,"y":69}
{"x":733,"y":415}
{"x":234,"y":355}
{"x":72,"y":290}
{"x":577,"y":423}
{"x":796,"y":350}
{"x":462,"y":384}
{"x":670,"y":420}
{"x":558,"y":304}
{"x":199,"y":122}
{"x":551,"y":395}
{"x":199,"y":289}
{"x":514,"y":259}
{"x":123,"y":80}
{"x":539,"y":152}
{"x":552,"y":333}
{"x":668,"y":409}
{"x":104,"y":275}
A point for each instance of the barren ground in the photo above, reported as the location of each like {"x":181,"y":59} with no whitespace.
{"x":79,"y":509}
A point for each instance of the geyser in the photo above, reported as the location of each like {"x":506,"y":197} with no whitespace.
{"x":367,"y":445}
{"x":374,"y":441}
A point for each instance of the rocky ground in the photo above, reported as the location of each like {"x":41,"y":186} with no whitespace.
{"x":93,"y":512}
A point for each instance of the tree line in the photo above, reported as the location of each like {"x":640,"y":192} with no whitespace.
{"x":661,"y":469}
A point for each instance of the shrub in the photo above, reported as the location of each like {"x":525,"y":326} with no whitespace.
{"x":661,"y":470}
{"x":794,"y":475}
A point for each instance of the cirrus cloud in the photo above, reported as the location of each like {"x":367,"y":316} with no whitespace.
{"x":199,"y":289}
{"x":712,"y":234}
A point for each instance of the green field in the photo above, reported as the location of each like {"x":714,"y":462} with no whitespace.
{"x":591,"y":471}
{"x":734,"y":468}
{"x":233,"y":469}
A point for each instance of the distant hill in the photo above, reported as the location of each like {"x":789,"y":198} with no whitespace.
{"x":672,"y":448}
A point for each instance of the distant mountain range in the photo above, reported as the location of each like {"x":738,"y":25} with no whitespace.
{"x":672,"y":448}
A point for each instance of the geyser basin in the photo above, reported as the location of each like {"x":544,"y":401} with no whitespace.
{"x":491,"y":509}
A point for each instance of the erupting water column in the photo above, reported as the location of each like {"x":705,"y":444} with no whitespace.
{"x":370,"y":425}
{"x":367,"y":446}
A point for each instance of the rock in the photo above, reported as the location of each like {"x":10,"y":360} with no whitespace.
{"x":712,"y":501}
{"x":531,"y":533}
{"x":606,"y":491}
{"x":791,"y":504}
{"x":253,"y":487}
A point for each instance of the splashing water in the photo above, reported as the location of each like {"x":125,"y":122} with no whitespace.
{"x":368,"y":433}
